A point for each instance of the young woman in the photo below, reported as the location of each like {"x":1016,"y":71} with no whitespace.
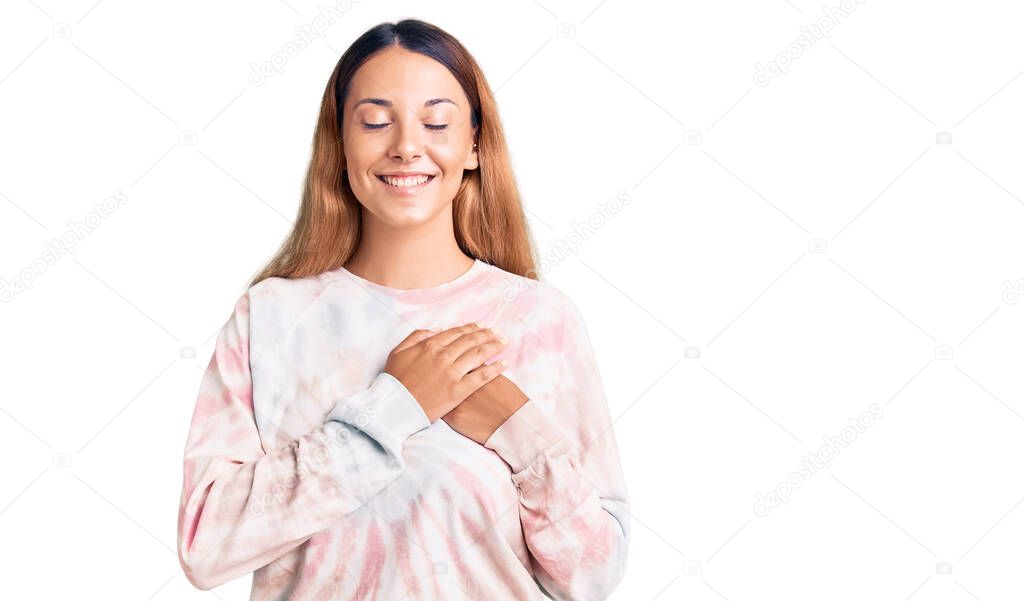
{"x":358,"y":434}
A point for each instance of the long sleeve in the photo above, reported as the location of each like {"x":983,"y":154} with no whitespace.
{"x":243,"y":506}
{"x":566,"y":466}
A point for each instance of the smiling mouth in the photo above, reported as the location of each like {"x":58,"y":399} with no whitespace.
{"x":406,"y":187}
{"x":406,"y":183}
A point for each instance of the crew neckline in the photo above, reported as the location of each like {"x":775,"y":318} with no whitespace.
{"x":427,"y":293}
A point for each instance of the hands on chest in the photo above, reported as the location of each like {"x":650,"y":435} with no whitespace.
{"x":447,"y":373}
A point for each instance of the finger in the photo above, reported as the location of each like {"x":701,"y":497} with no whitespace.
{"x":476,"y":354}
{"x":414,"y":337}
{"x":466,"y":342}
{"x":476,"y":378}
{"x":445,"y":337}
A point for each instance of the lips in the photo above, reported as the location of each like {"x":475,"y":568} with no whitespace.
{"x":382,"y":177}
{"x":408,"y":190}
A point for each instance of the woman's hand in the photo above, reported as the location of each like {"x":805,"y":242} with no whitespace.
{"x":483,"y":411}
{"x":442,"y":369}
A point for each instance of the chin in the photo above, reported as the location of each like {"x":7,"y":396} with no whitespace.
{"x":397,"y":216}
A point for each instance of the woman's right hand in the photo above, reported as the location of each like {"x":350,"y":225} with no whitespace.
{"x":441,"y":369}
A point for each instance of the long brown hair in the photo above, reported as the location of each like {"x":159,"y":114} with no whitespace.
{"x":488,"y":215}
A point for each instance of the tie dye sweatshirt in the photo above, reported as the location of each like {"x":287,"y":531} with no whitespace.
{"x":312,"y":469}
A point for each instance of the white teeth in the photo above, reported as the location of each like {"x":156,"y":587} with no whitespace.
{"x":404,"y":182}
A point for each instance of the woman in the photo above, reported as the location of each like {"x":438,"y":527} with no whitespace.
{"x":342,"y":447}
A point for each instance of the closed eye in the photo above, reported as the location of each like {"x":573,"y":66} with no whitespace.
{"x":383,"y":125}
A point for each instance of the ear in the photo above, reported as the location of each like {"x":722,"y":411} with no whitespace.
{"x":473,"y":158}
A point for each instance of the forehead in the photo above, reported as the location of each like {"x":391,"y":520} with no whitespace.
{"x":406,"y":77}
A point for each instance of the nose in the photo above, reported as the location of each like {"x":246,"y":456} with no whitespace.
{"x":408,"y":142}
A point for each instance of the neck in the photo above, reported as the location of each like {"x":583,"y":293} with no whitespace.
{"x":411,"y":256}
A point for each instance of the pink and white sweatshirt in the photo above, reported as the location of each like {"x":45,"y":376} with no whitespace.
{"x":309,"y":467}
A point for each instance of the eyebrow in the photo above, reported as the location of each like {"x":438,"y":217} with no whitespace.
{"x":389,"y":104}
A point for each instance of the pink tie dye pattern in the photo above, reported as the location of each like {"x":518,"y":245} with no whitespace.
{"x":308,"y":467}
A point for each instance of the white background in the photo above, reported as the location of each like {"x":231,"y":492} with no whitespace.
{"x":815,"y":242}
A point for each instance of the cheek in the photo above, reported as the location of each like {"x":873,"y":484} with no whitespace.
{"x":362,"y":151}
{"x":450,"y":165}
{"x":360,"y":178}
{"x":357,"y":157}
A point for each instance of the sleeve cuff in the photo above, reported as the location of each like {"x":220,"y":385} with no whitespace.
{"x":386,"y":411}
{"x":524,"y":436}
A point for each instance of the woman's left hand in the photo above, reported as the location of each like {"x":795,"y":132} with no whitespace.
{"x":480,"y":414}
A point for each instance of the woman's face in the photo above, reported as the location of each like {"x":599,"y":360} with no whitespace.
{"x":405,"y":112}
